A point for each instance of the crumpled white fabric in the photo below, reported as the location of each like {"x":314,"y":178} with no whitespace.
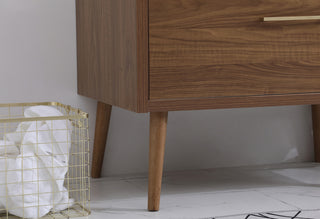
{"x":33,"y":168}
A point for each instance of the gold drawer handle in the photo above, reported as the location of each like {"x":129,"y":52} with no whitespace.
{"x":293,"y":18}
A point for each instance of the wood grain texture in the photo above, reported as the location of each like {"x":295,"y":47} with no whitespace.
{"x":143,"y":54}
{"x":158,"y":131}
{"x":316,"y":131}
{"x":233,"y":102}
{"x":100,"y":138}
{"x":113,"y":52}
{"x":213,"y":48}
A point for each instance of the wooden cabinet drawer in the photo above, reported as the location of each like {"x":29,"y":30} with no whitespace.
{"x":214,"y":48}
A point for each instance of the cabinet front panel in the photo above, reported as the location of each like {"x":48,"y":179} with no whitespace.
{"x":215,"y":48}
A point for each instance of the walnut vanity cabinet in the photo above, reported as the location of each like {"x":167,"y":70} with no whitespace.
{"x":166,"y":55}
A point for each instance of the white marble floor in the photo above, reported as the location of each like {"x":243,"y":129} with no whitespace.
{"x":229,"y":193}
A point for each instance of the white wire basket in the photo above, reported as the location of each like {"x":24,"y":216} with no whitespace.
{"x":44,"y":161}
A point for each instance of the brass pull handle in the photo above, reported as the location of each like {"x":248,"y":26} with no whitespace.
{"x":293,"y":18}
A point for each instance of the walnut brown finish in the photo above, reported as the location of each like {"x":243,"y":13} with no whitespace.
{"x":112,"y":39}
{"x":100,"y":138}
{"x":165,"y":55}
{"x":214,"y":48}
{"x":233,"y":102}
{"x":158,"y":131}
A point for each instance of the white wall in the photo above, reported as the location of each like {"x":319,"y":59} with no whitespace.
{"x":38,"y":63}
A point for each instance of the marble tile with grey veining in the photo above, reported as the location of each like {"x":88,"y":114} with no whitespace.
{"x":230,"y":193}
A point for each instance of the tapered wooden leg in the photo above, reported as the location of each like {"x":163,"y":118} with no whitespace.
{"x":316,"y":131}
{"x":158,"y":130}
{"x":100,"y":138}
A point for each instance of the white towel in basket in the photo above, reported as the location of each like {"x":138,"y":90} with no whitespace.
{"x":8,"y":148}
{"x":33,"y":180}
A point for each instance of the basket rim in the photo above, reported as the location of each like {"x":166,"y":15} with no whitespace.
{"x":79,"y":113}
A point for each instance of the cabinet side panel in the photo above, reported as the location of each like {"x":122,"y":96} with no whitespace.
{"x":107,"y":51}
{"x":143,"y":54}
